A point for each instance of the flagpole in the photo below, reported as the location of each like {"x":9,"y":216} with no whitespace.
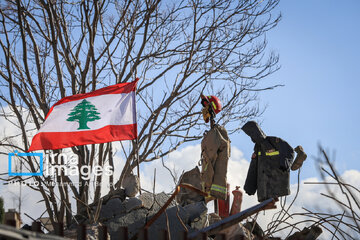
{"x":137,"y":144}
{"x":137,"y":162}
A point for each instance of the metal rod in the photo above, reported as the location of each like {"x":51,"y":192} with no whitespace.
{"x":177,"y":190}
{"x":192,"y":188}
{"x":163,"y":208}
{"x":137,"y":162}
{"x":234,"y":219}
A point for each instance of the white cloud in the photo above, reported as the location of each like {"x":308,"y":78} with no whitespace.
{"x":178,"y":161}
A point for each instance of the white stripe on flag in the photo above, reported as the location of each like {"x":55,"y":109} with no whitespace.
{"x":114,"y":109}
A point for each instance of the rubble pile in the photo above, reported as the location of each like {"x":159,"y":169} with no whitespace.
{"x":186,"y":213}
{"x":120,"y":208}
{"x":135,"y":212}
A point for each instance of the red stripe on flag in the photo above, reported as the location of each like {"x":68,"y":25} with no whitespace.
{"x":113,"y":89}
{"x":57,"y":140}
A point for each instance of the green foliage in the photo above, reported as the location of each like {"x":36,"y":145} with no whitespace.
{"x":2,"y":210}
{"x":82,"y":113}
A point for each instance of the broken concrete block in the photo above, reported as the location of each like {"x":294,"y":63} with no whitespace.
{"x":136,"y":216}
{"x":197,"y":215}
{"x":112,"y":208}
{"x":187,"y":196}
{"x":236,"y":231}
{"x":213,"y":218}
{"x":147,"y":199}
{"x":134,"y":213}
{"x":131,"y":185}
{"x":132,"y":204}
{"x":117,"y":193}
{"x":154,"y":203}
{"x":175,"y":226}
{"x":134,"y":220}
{"x":255,"y":227}
{"x":92,"y":233}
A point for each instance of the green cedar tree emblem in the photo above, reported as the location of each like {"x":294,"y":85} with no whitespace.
{"x":83,"y":113}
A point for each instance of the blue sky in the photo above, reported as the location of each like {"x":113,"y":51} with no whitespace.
{"x":318,"y":44}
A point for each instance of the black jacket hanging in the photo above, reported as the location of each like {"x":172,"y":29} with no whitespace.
{"x":269,"y":170}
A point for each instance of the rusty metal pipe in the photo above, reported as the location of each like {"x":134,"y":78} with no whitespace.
{"x":163,"y":208}
{"x":234,"y":219}
{"x":191,"y":187}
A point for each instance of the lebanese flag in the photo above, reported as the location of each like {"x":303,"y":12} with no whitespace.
{"x":105,"y":115}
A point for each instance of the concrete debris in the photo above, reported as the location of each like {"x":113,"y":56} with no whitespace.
{"x":236,"y":231}
{"x":213,"y":218}
{"x":131,"y":185}
{"x":134,"y":220}
{"x":187,"y":196}
{"x":254,"y":228}
{"x":135,"y":212}
{"x":115,"y":194}
{"x":175,"y":226}
{"x":225,"y":223}
{"x":92,"y":233}
{"x":111,"y":208}
{"x":132,"y":204}
{"x":197,"y":215}
{"x":154,"y":202}
{"x":111,"y":204}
